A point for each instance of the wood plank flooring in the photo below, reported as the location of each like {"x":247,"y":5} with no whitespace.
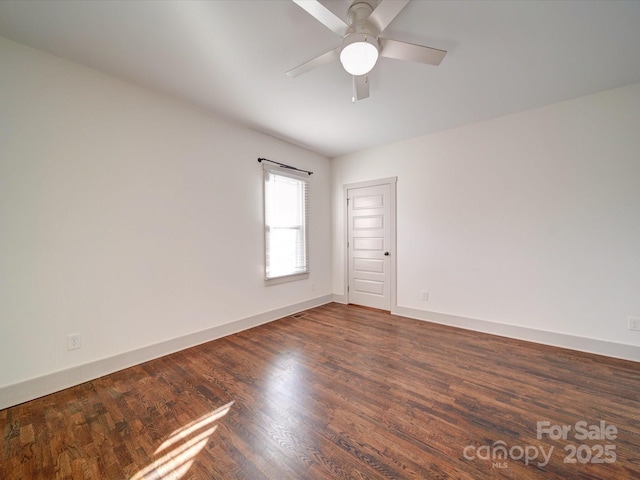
{"x":339,"y":393}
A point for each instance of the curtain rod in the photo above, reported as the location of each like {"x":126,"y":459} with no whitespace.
{"x":260,"y":160}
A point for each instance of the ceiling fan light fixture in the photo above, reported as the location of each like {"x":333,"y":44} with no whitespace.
{"x":359,"y":53}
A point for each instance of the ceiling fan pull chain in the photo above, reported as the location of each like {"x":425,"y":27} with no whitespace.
{"x":353,"y":85}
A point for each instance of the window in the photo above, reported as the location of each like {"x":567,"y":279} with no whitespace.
{"x":285,"y":218}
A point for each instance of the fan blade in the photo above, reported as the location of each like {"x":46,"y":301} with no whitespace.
{"x":409,"y":51}
{"x":324,"y":16}
{"x":385,"y":12}
{"x":361,"y":86}
{"x":315,"y":62}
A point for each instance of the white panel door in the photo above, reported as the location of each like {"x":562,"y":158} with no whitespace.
{"x":369,"y":246}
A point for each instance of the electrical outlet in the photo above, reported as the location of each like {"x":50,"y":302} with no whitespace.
{"x":425,"y":296}
{"x":73,"y":341}
{"x":634,"y":323}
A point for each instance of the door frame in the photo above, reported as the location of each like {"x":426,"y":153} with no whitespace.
{"x":391,"y":181}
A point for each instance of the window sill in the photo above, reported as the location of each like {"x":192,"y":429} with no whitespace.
{"x":286,"y":279}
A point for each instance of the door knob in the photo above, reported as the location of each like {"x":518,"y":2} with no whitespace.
{"x":386,"y":254}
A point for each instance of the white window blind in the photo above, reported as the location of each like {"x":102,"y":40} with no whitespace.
{"x":286,"y":196}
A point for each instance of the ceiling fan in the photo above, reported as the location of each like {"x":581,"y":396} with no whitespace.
{"x":361,"y":41}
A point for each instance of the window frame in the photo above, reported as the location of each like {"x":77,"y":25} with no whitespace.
{"x":299,"y":176}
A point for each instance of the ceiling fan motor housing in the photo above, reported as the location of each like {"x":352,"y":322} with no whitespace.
{"x":358,"y":18}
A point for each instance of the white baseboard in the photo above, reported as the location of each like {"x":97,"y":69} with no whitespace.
{"x":340,"y":298}
{"x":572,"y":342}
{"x":17,"y":393}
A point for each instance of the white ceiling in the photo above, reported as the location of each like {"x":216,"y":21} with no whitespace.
{"x":230,"y":57}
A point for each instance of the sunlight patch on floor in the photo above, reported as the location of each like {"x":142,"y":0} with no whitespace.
{"x":182,"y":447}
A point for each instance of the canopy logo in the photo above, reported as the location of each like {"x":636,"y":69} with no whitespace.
{"x":498,"y":453}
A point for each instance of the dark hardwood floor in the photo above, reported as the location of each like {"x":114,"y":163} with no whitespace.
{"x":340,"y":392}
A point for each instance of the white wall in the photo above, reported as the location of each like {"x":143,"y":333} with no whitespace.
{"x":129,"y":217}
{"x":530,"y":220}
